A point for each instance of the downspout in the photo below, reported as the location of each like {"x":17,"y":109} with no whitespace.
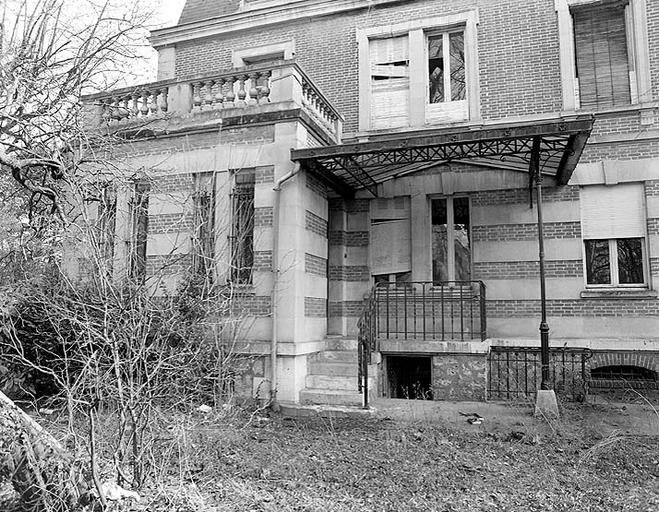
{"x":275,"y":280}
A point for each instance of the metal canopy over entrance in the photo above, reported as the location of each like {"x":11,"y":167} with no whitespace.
{"x":548,"y":148}
{"x":558,"y":144}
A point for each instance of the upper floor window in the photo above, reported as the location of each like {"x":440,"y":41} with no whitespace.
{"x":419,"y":73}
{"x":604,"y":69}
{"x":604,"y":53}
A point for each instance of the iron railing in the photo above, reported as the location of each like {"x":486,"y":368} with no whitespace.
{"x":515,"y":372}
{"x":366,"y":343}
{"x":425,"y":311}
{"x":450,"y":310}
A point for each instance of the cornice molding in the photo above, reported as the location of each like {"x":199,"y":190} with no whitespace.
{"x":256,"y":18}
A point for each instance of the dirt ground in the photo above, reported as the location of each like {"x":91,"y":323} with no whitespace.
{"x":410,"y":456}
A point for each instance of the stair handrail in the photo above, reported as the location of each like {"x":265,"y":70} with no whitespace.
{"x":366,"y":342}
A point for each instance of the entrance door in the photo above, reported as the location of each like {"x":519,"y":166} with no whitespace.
{"x":451,"y":245}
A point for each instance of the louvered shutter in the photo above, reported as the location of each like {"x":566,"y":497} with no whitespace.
{"x":612,"y":212}
{"x":390,"y":82}
{"x":602,"y":58}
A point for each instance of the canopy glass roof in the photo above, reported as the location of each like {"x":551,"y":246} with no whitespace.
{"x":363,"y":165}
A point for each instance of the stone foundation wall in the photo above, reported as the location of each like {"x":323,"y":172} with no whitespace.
{"x":459,"y":377}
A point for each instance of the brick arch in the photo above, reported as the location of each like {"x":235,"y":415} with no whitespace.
{"x":647,"y":360}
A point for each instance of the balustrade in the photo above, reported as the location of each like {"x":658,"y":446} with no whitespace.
{"x":250,"y":87}
{"x":136,"y":104}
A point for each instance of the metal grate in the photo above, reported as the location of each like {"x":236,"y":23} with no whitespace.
{"x":515,"y":372}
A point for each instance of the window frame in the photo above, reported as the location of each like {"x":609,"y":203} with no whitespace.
{"x":450,"y":234}
{"x":237,"y":275}
{"x":418,"y":31}
{"x":638,"y":50}
{"x":613,"y":267}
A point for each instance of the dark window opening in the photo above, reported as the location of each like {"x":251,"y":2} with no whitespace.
{"x":139,"y":208}
{"x":623,"y":372}
{"x":410,"y":377}
{"x":204,"y":224}
{"x":618,"y":261}
{"x":242,"y":227}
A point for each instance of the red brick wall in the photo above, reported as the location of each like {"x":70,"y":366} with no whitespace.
{"x":517,"y":39}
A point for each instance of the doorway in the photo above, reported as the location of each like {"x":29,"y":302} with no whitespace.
{"x":451,"y":239}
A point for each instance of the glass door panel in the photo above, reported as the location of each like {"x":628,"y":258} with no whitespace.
{"x":439,"y":239}
{"x":461,"y":242}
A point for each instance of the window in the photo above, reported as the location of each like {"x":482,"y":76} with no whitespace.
{"x":451,"y":247}
{"x":390,"y":236}
{"x":203,"y":243}
{"x":603,"y":64}
{"x":106,"y":224}
{"x":242,"y":227}
{"x":613,"y":226}
{"x":604,"y":53}
{"x":139,"y":212}
{"x":390,"y":82}
{"x":447,"y":86}
{"x":418,"y":73}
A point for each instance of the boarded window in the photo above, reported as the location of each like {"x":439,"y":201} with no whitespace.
{"x":242,"y":227}
{"x":390,"y":82}
{"x":602,"y":58}
{"x":390,"y":236}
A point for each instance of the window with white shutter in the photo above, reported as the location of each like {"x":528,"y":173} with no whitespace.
{"x":613,"y":230}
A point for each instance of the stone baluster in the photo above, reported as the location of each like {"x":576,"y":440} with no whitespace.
{"x":114,"y":109}
{"x":106,"y":110}
{"x":241,"y":89}
{"x":134,"y":108}
{"x":265,"y":88}
{"x":231,"y":95}
{"x":208,"y":96}
{"x":144,"y":109}
{"x":253,"y":89}
{"x":125,"y":111}
{"x":163,"y":101}
{"x":219,"y":93}
{"x":153,"y":103}
{"x":196,"y":96}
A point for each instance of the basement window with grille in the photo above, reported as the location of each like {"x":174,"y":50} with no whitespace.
{"x":242,"y":227}
{"x":619,"y":376}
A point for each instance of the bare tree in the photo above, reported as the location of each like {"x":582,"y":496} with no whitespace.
{"x":53,"y":51}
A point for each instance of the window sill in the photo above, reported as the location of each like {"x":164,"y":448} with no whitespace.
{"x":635,"y":107}
{"x":619,"y":293}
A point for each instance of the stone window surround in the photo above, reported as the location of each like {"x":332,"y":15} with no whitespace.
{"x":567,"y":50}
{"x":241,"y":57}
{"x":417,"y":31}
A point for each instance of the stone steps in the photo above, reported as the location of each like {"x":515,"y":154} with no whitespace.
{"x":332,"y":376}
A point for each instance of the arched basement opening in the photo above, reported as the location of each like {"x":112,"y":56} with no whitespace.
{"x":623,"y":376}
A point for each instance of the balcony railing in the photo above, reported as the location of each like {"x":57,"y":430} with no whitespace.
{"x":234,"y":92}
{"x":419,"y":311}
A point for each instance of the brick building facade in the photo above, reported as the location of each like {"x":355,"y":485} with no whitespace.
{"x":241,"y":83}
